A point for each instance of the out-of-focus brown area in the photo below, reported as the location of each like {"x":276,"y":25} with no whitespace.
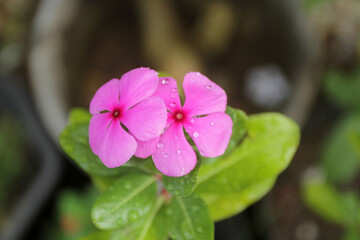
{"x":269,"y":55}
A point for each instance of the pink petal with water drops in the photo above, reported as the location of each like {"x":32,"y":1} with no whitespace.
{"x":167,"y":90}
{"x":174,"y":156}
{"x":146,"y":148}
{"x":147,"y":119}
{"x":211,"y":134}
{"x":202,"y":96}
{"x":137,"y":85}
{"x":106,"y":97}
{"x":97,"y":129}
{"x":117,"y":146}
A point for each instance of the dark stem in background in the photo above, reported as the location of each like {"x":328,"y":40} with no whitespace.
{"x":49,"y":171}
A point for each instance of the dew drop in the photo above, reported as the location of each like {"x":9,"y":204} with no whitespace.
{"x":133,"y":216}
{"x":176,"y":137}
{"x":169,"y":211}
{"x":208,"y":87}
{"x":197,"y":74}
{"x":212,"y":123}
{"x":128,"y":185}
{"x":174,"y":89}
{"x":165,"y":81}
{"x":191,"y":80}
{"x":200,"y":107}
{"x":192,"y":120}
{"x":172,"y":95}
{"x":195,"y":208}
{"x":160,"y":145}
{"x":196,"y":134}
{"x":178,"y":151}
{"x":172,"y":105}
{"x":120,"y":221}
{"x":165,"y":156}
{"x":101,"y":219}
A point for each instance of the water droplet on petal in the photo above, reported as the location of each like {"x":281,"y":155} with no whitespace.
{"x":172,"y":95}
{"x":212,"y":123}
{"x":192,"y":120}
{"x":159,"y":145}
{"x":178,"y":151}
{"x":198,"y":74}
{"x":172,"y":105}
{"x":196,"y":134}
{"x":208,"y":87}
{"x":200,"y":107}
{"x":176,"y":137}
{"x":165,"y":81}
{"x":174,"y":89}
{"x":165,"y":156}
{"x":191,"y":80}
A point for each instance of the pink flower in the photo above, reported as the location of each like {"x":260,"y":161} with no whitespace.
{"x":203,"y":118}
{"x":126,"y":102}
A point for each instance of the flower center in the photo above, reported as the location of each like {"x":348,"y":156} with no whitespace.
{"x":116,"y":113}
{"x":179,"y":116}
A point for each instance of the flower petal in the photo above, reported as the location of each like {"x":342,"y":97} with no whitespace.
{"x":146,"y":148}
{"x":106,"y":97}
{"x":147,"y":119}
{"x":202,"y":96}
{"x":97,"y":130}
{"x":167,"y":90}
{"x":174,"y":156}
{"x":211,"y":134}
{"x":137,"y":85}
{"x":117,"y":146}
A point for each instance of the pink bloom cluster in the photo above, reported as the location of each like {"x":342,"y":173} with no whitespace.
{"x":141,"y":115}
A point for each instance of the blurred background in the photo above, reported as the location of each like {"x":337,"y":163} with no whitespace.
{"x":299,"y":57}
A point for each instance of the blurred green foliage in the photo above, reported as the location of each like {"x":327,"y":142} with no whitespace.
{"x":12,"y":158}
{"x":73,"y":214}
{"x":340,"y":159}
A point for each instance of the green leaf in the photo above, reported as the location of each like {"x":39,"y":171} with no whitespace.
{"x":103,"y":235}
{"x":340,"y":159}
{"x":151,"y":227}
{"x":74,"y":141}
{"x":79,"y":115}
{"x":267,"y":150}
{"x":181,"y":186}
{"x":125,"y":202}
{"x":240,"y":126}
{"x":222,"y":206}
{"x":189,"y":218}
{"x":344,"y":88}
